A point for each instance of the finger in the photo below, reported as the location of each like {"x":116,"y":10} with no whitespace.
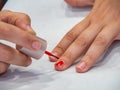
{"x":16,"y":35}
{"x":20,"y":20}
{"x":78,"y":3}
{"x":69,"y":38}
{"x":10,"y":55}
{"x":97,"y":48}
{"x":3,"y":67}
{"x":117,"y":37}
{"x":78,"y":47}
{"x":23,"y":22}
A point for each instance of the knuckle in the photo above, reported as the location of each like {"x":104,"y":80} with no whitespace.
{"x":21,"y":15}
{"x":70,"y":35}
{"x":81,"y":41}
{"x":4,"y":30}
{"x":6,"y":12}
{"x":100,"y":41}
{"x":60,"y":48}
{"x":17,"y":18}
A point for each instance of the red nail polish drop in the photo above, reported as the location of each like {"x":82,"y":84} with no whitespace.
{"x":60,"y":63}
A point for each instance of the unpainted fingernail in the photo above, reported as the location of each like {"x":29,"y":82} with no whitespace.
{"x":36,"y":45}
{"x":82,"y":66}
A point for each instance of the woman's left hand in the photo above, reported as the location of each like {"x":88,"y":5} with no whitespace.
{"x":93,"y":35}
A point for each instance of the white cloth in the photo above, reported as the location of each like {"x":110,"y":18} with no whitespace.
{"x":51,"y":19}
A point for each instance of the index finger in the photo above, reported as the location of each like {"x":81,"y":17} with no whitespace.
{"x":18,"y":19}
{"x":69,"y":38}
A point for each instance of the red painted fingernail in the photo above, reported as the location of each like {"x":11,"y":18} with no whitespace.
{"x":59,"y":64}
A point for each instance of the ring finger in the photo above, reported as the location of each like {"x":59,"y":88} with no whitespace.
{"x":79,"y":45}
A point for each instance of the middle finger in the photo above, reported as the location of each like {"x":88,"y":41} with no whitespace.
{"x":79,"y":45}
{"x":69,"y":38}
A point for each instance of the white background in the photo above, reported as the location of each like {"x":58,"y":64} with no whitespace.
{"x":51,"y":19}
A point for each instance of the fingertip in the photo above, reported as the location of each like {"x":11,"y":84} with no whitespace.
{"x":28,"y":63}
{"x":82,"y":67}
{"x":59,"y":66}
{"x":3,"y":67}
{"x":71,"y":2}
{"x":62,"y":64}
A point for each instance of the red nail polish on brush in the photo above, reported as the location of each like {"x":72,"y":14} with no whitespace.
{"x":50,"y":54}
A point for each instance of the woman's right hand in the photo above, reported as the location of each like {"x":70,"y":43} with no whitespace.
{"x":15,"y":27}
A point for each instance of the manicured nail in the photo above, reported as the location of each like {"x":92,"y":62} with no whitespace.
{"x":82,"y":65}
{"x":59,"y":64}
{"x":36,"y":45}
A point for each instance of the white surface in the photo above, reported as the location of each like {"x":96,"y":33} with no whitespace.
{"x":51,"y":19}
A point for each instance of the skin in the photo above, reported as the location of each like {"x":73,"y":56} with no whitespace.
{"x":15,"y":27}
{"x":80,"y":3}
{"x":92,"y":36}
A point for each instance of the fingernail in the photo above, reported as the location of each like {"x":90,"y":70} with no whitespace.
{"x":36,"y":45}
{"x":59,"y":64}
{"x":28,"y":62}
{"x":82,"y":65}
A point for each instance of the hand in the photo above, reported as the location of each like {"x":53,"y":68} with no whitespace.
{"x":15,"y":27}
{"x":94,"y":35}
